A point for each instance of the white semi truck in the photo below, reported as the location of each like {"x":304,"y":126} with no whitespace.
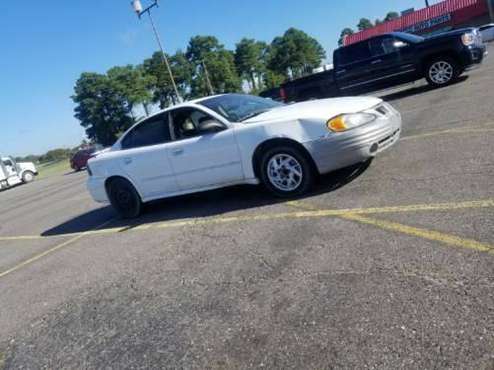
{"x":13,"y":173}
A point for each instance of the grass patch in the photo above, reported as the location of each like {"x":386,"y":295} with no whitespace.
{"x":54,"y":169}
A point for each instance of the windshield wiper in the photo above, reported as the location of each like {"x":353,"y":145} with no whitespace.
{"x":254,"y":114}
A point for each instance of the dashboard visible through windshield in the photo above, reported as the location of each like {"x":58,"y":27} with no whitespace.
{"x":238,"y":107}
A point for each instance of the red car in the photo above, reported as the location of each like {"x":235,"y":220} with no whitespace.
{"x":79,"y":159}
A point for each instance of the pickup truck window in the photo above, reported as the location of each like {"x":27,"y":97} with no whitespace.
{"x":382,"y":46}
{"x":150,"y":132}
{"x":354,"y":53}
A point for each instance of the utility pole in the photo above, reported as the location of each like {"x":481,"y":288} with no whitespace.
{"x":208,"y":81}
{"x":139,"y":10}
{"x":490,"y":4}
{"x":427,"y":3}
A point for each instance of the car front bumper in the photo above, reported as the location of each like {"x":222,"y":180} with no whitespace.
{"x":96,"y":187}
{"x":340,"y":150}
{"x":474,"y":55}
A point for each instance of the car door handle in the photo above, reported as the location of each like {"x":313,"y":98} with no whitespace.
{"x":127,"y":160}
{"x":177,"y":151}
{"x":377,"y":61}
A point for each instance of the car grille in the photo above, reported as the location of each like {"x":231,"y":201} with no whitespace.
{"x":388,"y":140}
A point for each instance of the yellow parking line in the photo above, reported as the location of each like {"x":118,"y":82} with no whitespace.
{"x":414,"y":231}
{"x":487,"y":203}
{"x":449,"y":131}
{"x":423,"y":233}
{"x":49,"y":251}
{"x":310,"y":212}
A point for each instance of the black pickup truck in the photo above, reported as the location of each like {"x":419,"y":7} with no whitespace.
{"x":389,"y":60}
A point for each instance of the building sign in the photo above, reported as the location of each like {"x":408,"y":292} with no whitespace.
{"x":428,"y":23}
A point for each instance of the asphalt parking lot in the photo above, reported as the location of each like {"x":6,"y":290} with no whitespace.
{"x":389,"y":265}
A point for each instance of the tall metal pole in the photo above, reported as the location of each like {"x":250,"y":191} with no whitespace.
{"x":165,"y":59}
{"x":490,"y":4}
{"x":208,"y":81}
{"x":427,"y":3}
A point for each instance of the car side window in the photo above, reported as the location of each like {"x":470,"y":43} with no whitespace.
{"x":153,"y":131}
{"x":191,"y":122}
{"x":8,"y":162}
{"x":354,"y":53}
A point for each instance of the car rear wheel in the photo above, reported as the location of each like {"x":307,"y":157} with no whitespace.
{"x":286,"y":171}
{"x":27,"y":177}
{"x":442,"y":71}
{"x":124,"y":198}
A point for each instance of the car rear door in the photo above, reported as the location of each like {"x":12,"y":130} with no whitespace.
{"x":352,"y":66}
{"x":202,"y":159}
{"x":145,"y":157}
{"x":392,"y":62}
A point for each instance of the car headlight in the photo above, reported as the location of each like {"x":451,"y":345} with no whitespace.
{"x":468,"y":39}
{"x":347,"y":122}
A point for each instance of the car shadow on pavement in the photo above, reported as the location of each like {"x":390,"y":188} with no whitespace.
{"x":415,"y":90}
{"x":200,"y":205}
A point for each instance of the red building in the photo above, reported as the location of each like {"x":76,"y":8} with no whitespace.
{"x":440,"y":17}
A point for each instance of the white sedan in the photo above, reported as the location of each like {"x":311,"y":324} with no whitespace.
{"x":239,"y":139}
{"x":487,"y":32}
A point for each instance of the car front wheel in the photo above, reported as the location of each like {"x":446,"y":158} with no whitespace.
{"x":442,"y":72}
{"x":124,"y":198}
{"x":286,"y":171}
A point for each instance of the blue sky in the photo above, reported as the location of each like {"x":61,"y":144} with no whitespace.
{"x":46,"y":44}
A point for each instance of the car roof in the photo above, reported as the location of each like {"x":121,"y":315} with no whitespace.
{"x":189,"y":103}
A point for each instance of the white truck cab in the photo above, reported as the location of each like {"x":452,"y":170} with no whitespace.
{"x":13,"y":173}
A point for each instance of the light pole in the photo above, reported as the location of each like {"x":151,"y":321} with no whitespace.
{"x":136,"y":4}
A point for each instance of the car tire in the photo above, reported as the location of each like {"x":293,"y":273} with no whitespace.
{"x":124,"y":198}
{"x":286,"y":171}
{"x":27,"y":177}
{"x":442,"y":71}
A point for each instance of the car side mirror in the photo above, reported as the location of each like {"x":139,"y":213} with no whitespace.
{"x":210,"y":126}
{"x":399,"y":44}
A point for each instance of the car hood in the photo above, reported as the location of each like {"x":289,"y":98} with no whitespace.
{"x":457,"y":32}
{"x":320,"y":109}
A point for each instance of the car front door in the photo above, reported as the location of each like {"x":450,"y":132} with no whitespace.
{"x":204,"y":152}
{"x":145,"y":157}
{"x":392,"y":62}
{"x":352,"y":67}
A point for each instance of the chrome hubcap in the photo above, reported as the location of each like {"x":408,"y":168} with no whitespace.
{"x":441,"y":72}
{"x":285,"y":172}
{"x":28,"y":177}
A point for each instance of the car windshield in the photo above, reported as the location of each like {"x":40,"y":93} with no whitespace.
{"x":409,"y":37}
{"x":238,"y":107}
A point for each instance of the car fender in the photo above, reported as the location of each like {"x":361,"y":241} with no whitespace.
{"x":253,"y":135}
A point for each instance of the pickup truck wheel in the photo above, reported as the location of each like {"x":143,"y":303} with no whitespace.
{"x":442,"y":71}
{"x":27,"y":177}
{"x":124,"y":198}
{"x":286,"y":171}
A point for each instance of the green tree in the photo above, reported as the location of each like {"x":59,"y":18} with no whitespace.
{"x":211,"y":60}
{"x":133,"y":84}
{"x":250,"y":59}
{"x":364,"y":24}
{"x":391,"y":16}
{"x":295,"y":53}
{"x":346,"y":32}
{"x":101,"y":108}
{"x":161,"y":87}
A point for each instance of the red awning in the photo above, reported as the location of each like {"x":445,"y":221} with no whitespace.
{"x":406,"y":21}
